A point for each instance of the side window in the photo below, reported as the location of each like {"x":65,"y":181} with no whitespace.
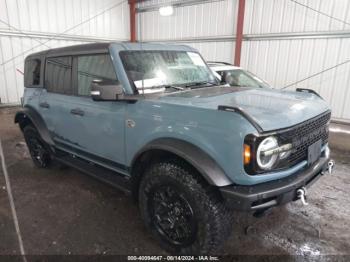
{"x":94,"y":67}
{"x":32,"y":72}
{"x":58,"y":75}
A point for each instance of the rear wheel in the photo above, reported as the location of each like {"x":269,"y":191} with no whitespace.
{"x":38,"y":149}
{"x":181,"y":211}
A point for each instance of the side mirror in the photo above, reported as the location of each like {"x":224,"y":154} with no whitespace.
{"x":103,"y":90}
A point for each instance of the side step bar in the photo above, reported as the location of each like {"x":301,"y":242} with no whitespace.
{"x":103,"y":174}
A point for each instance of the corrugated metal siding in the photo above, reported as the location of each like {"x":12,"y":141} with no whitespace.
{"x":279,"y":62}
{"x":54,"y":16}
{"x":282,"y":62}
{"x":157,"y":2}
{"x":276,"y":16}
{"x":207,"y":19}
{"x":11,"y":87}
{"x":287,"y":61}
{"x":193,"y":21}
{"x":215,"y":51}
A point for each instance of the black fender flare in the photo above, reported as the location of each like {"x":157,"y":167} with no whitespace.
{"x":195,"y":156}
{"x":38,"y":122}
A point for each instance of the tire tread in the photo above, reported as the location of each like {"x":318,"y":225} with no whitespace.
{"x":217,"y":216}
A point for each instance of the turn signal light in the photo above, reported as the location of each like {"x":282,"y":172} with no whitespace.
{"x":246,"y":154}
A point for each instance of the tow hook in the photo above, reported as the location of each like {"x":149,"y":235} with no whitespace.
{"x":330,"y":166}
{"x":301,"y":194}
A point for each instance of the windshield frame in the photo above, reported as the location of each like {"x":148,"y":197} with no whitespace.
{"x":135,"y":90}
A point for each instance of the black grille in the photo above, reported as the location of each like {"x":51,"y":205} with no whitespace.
{"x":304,"y":135}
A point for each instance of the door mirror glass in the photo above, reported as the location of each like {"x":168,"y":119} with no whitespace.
{"x":106,"y":90}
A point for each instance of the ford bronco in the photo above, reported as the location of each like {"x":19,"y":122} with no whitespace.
{"x":154,"y":121}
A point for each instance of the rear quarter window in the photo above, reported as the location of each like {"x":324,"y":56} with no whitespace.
{"x":32,"y":72}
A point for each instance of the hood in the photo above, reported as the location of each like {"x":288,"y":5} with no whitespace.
{"x":272,"y":109}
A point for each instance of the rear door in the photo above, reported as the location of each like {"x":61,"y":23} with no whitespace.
{"x":55,"y":97}
{"x":93,"y":130}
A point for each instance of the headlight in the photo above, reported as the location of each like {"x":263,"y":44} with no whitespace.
{"x":263,"y":154}
{"x":266,"y":162}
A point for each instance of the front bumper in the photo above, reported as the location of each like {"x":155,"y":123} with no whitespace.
{"x":273,"y":193}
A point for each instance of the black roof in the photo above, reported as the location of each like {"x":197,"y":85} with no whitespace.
{"x":94,"y":48}
{"x":82,"y":49}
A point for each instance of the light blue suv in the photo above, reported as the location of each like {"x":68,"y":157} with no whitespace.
{"x":151,"y":119}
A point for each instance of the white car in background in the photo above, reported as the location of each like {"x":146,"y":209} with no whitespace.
{"x":236,"y":76}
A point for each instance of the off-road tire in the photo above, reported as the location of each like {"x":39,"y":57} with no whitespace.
{"x":38,"y":149}
{"x":212,"y":218}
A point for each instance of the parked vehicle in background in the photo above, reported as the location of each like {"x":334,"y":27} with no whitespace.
{"x":236,"y":76}
{"x":154,"y":121}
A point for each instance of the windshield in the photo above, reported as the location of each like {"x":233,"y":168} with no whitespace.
{"x":155,"y":71}
{"x":242,"y":78}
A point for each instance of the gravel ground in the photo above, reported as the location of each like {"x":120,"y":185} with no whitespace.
{"x":62,"y":211}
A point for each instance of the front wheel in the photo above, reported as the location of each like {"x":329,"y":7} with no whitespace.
{"x":181,"y":211}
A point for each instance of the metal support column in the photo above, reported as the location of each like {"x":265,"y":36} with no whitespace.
{"x":132,"y":6}
{"x":239,"y":32}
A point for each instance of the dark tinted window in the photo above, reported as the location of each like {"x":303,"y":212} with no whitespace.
{"x":32,"y":70}
{"x":94,"y":67}
{"x":58,"y":74}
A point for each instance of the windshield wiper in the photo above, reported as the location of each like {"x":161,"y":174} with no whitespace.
{"x":175,"y":87}
{"x":162,"y":86}
{"x":194,"y":84}
{"x":168,"y":86}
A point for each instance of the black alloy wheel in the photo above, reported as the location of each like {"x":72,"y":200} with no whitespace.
{"x":172,"y":216}
{"x":182,"y":211}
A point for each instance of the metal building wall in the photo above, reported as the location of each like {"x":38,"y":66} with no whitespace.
{"x":196,"y":23}
{"x":284,"y":41}
{"x":301,"y":42}
{"x":30,"y":26}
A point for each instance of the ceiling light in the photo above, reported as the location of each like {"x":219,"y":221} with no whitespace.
{"x":166,"y":10}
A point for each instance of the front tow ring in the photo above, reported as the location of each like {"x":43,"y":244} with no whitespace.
{"x":301,"y":194}
{"x":330,"y":166}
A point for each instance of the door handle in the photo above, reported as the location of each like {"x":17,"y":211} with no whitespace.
{"x":44,"y":105}
{"x":77,"y":111}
